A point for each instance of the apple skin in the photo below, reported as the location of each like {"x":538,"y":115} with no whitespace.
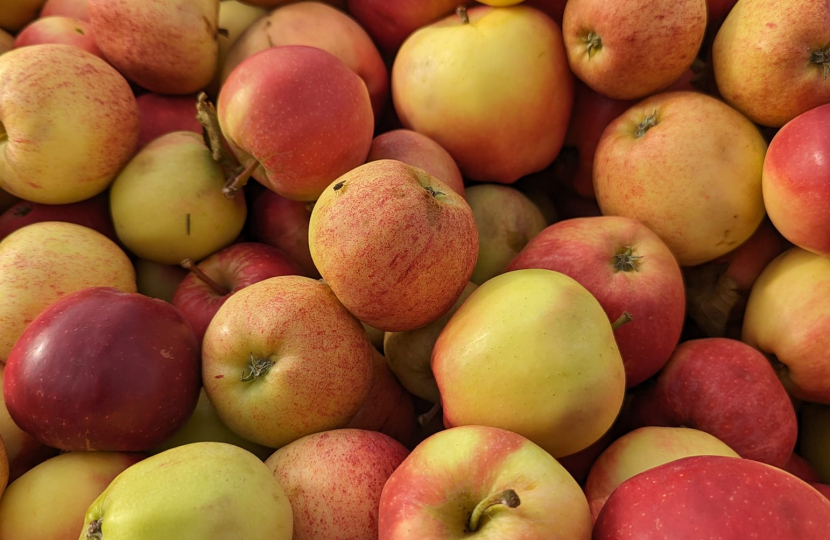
{"x":160,"y":115}
{"x":677,"y":179}
{"x":15,"y":14}
{"x":49,"y":391}
{"x":433,"y":492}
{"x":765,"y":59}
{"x":407,"y":265}
{"x":322,"y":129}
{"x":232,"y":268}
{"x":167,"y":47}
{"x":234,"y":17}
{"x":390,"y":23}
{"x":510,"y":130}
{"x":647,"y":283}
{"x":93,"y":213}
{"x":420,"y":151}
{"x":572,"y":381}
{"x":334,"y":481}
{"x":796,"y":180}
{"x":320,"y":25}
{"x":158,"y":280}
{"x":50,"y":500}
{"x":824,"y":489}
{"x":814,"y":438}
{"x":729,"y":390}
{"x":786,"y":317}
{"x":77,"y":9}
{"x":629,"y":63}
{"x":58,"y":29}
{"x":322,"y":361}
{"x":92,"y":119}
{"x":44,"y":262}
{"x":714,"y":497}
{"x":644,"y":449}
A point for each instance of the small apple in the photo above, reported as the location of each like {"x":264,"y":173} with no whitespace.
{"x":160,"y":115}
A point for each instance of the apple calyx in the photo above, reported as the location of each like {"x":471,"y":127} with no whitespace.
{"x":93,"y":531}
{"x":190,"y":265}
{"x":508,"y":498}
{"x":461,"y":11}
{"x":822,"y":58}
{"x":647,"y":123}
{"x":623,"y":319}
{"x":593,"y":43}
{"x":626,"y":261}
{"x":256,"y":368}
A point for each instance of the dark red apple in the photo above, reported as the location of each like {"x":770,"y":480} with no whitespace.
{"x":801,"y":468}
{"x":210,"y":283}
{"x":714,"y":497}
{"x":159,"y":115}
{"x":105,"y":370}
{"x":824,"y":489}
{"x":93,"y":213}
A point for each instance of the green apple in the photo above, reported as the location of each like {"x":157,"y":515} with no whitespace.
{"x":531,"y":351}
{"x":814,"y":437}
{"x":199,"y":491}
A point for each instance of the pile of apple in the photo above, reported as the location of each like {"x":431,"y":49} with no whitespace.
{"x":408,"y":269}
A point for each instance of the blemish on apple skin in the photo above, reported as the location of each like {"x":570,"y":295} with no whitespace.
{"x":218,"y":376}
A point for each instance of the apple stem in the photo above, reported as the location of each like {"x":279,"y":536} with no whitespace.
{"x":424,"y":419}
{"x":593,"y":43}
{"x":647,"y":123}
{"x":94,"y":532}
{"x":626,"y":261}
{"x":822,"y":58}
{"x":508,"y":497}
{"x":625,"y":318}
{"x":256,"y":368}
{"x":212,"y":132}
{"x":224,"y":32}
{"x":461,"y":11}
{"x":190,"y":264}
{"x":239,"y":180}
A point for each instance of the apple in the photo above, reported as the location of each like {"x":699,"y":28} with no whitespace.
{"x":408,"y":353}
{"x":814,"y":438}
{"x":688,"y":167}
{"x":396,"y":245}
{"x":796,"y":180}
{"x":334,"y":480}
{"x":192,"y":492}
{"x":322,"y":128}
{"x":90,"y":372}
{"x":719,"y":9}
{"x":44,"y":262}
{"x":513,"y":61}
{"x":824,"y":489}
{"x":420,"y":151}
{"x":15,"y":14}
{"x":644,"y":449}
{"x":727,"y":389}
{"x":93,"y":213}
{"x":533,"y":352}
{"x":165,"y":221}
{"x":92,"y":123}
{"x":77,"y":9}
{"x":628,"y":269}
{"x":390,"y":23}
{"x":800,"y":467}
{"x":6,"y":41}
{"x":482,"y":482}
{"x":50,"y":500}
{"x":234,"y":18}
{"x":506,"y":220}
{"x":771,"y":60}
{"x":555,"y":9}
{"x":166,"y":47}
{"x":57,"y":29}
{"x":609,"y":51}
{"x":579,"y":463}
{"x":158,"y":280}
{"x":786,"y":319}
{"x":714,"y":497}
{"x":302,"y":365}
{"x":160,"y":115}
{"x":281,"y":223}
{"x":210,"y":283}
{"x":320,"y":25}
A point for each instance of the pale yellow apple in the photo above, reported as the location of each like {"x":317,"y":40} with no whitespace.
{"x":234,"y":18}
{"x":50,"y":500}
{"x":533,"y":352}
{"x":200,"y":491}
{"x":644,"y":449}
{"x":15,"y":14}
{"x":43,"y":262}
{"x":68,"y":123}
{"x":787,"y":316}
{"x":167,"y":204}
{"x":6,"y":41}
{"x":814,"y":437}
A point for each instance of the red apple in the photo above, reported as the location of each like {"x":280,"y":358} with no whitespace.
{"x":718,"y":10}
{"x":824,"y":489}
{"x":800,"y":467}
{"x":210,"y":283}
{"x":628,"y":269}
{"x":93,"y":213}
{"x":712,"y":497}
{"x":77,"y":9}
{"x":729,"y":390}
{"x":58,"y":29}
{"x":159,"y":115}
{"x":102,"y":369}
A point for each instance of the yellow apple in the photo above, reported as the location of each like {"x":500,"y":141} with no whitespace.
{"x":43,"y":262}
{"x":533,"y":352}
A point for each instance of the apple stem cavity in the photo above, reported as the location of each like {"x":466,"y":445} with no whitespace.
{"x":424,"y":419}
{"x":432,"y":191}
{"x":508,"y":498}
{"x":94,"y":532}
{"x":239,"y":180}
{"x":626,"y":261}
{"x":822,"y":58}
{"x":624,"y":319}
{"x":593,"y":43}
{"x":461,"y":11}
{"x":257,"y":367}
{"x":190,"y":265}
{"x":647,"y":123}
